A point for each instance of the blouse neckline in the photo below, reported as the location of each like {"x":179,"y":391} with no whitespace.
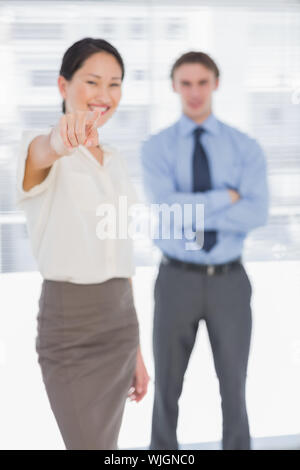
{"x":107,"y":152}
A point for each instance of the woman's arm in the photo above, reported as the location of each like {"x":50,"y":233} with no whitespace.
{"x":40,"y":158}
{"x":139,"y":347}
{"x":141,"y":377}
{"x":73,"y":129}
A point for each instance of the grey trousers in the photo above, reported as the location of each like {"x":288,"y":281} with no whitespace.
{"x":87,"y":340}
{"x":182,"y":299}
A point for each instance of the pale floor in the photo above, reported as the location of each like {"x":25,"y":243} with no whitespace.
{"x":273,"y":386}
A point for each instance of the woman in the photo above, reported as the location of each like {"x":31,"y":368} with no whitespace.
{"x":88,"y":332}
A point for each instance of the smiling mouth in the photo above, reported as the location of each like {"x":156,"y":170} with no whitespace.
{"x":195,"y":105}
{"x":102,"y":109}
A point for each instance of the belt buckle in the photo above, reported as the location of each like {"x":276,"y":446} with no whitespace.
{"x":210,"y":270}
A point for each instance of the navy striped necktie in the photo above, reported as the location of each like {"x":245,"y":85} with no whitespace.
{"x":202,"y":182}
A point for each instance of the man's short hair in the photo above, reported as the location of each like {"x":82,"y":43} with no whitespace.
{"x":194,"y":57}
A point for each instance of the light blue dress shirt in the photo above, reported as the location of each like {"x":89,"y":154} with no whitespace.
{"x":236,"y":161}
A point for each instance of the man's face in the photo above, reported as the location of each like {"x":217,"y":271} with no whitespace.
{"x":195,"y":84}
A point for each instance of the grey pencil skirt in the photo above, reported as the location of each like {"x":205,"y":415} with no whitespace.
{"x":87,"y":340}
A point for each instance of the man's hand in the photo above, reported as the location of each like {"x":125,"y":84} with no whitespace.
{"x":234,"y":195}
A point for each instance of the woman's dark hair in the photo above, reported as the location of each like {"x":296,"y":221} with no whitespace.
{"x":75,"y":56}
{"x":193,"y":57}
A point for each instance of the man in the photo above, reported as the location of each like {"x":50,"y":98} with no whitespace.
{"x":201,"y":160}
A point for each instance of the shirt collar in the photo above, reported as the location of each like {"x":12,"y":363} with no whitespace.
{"x":187,"y":125}
{"x":108,"y":152}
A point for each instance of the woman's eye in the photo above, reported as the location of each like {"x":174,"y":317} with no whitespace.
{"x":115,"y":84}
{"x":92,"y":83}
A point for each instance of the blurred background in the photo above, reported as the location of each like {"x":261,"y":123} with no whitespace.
{"x":256,"y":45}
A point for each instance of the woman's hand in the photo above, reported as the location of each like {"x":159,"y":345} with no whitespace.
{"x":141,"y":379}
{"x":73,"y":129}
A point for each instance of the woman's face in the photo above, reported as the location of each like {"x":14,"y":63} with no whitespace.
{"x":95,"y":85}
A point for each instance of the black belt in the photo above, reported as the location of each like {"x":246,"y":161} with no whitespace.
{"x":209,"y":269}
